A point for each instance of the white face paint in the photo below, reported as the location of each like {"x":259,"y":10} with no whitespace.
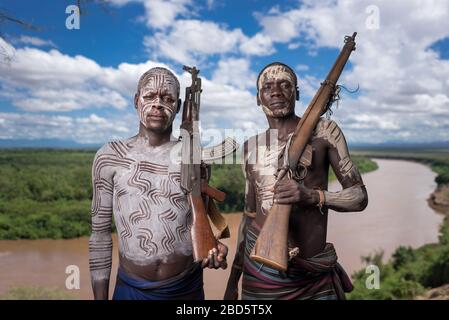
{"x":276,"y":73}
{"x":160,"y":90}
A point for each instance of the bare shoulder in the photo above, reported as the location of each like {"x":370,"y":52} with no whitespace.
{"x":121,"y":148}
{"x":329,"y":130}
{"x":326,"y":125}
{"x":112,"y":154}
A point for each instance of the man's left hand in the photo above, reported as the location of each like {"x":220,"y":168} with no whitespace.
{"x":289,"y":191}
{"x":217,"y":257}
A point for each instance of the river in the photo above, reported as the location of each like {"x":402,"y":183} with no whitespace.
{"x":397,"y":214}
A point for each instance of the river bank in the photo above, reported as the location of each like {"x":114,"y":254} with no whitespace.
{"x":420,"y":273}
{"x":43,"y":262}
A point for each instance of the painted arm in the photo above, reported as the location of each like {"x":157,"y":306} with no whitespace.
{"x":353,"y":197}
{"x":100,"y":242}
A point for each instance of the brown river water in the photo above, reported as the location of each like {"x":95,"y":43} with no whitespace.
{"x":397,"y":214}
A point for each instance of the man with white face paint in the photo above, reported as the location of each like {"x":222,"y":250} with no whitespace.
{"x":137,"y":181}
{"x":313,"y":271}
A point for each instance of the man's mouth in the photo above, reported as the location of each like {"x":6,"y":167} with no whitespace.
{"x":156,"y":117}
{"x":277,"y":104}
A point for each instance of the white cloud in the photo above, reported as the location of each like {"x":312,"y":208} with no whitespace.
{"x":35,"y":41}
{"x":124,"y":78}
{"x":293,"y":45}
{"x":70,"y":99}
{"x":234,"y":71}
{"x":258,"y":45}
{"x":33,"y":67}
{"x":195,"y":40}
{"x":302,"y":67}
{"x":404,"y":86}
{"x":210,"y":4}
{"x":90,"y":129}
{"x":277,"y":26}
{"x":160,"y":14}
{"x":189,"y":41}
{"x":37,"y":80}
{"x":7,"y":51}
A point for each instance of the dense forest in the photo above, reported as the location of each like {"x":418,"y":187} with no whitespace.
{"x":47,"y":193}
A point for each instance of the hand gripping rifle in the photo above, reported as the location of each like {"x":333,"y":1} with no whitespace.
{"x":271,"y":245}
{"x":195,"y":174}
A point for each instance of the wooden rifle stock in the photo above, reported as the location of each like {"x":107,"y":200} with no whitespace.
{"x":271,"y":245}
{"x":203,"y":238}
{"x":212,"y":192}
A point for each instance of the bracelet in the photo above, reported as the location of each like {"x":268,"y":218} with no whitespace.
{"x":322,"y":200}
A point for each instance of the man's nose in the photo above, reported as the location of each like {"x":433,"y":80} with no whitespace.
{"x":276,"y":91}
{"x":156,"y":107}
{"x":157,"y":103}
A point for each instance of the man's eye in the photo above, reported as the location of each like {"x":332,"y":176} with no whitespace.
{"x":167,"y":99}
{"x":150,"y":96}
{"x":286,"y":85}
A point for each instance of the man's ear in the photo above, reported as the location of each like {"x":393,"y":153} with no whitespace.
{"x":179,"y":106}
{"x":258,"y":99}
{"x":136,"y":99}
{"x":297,"y":94}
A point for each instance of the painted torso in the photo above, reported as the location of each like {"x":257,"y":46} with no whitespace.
{"x":307,"y":226}
{"x":151,"y":213}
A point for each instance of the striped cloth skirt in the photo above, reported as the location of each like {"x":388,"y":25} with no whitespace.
{"x":318,"y":278}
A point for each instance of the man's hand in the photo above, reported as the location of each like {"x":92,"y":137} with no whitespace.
{"x":217,"y":257}
{"x":289,"y":191}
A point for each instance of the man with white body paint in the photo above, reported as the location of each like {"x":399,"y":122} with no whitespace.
{"x":137,"y":181}
{"x":313,"y":271}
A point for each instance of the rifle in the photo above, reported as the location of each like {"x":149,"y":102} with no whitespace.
{"x":271,"y":245}
{"x":195,"y":173}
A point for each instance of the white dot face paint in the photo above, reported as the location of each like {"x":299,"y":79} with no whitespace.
{"x":161,"y":91}
{"x":276,"y":73}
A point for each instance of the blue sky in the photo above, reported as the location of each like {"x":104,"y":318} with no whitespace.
{"x":78,"y":84}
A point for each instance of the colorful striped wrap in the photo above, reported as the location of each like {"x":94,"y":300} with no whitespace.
{"x":317,"y":278}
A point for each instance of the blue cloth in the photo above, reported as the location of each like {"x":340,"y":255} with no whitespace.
{"x":186,"y":285}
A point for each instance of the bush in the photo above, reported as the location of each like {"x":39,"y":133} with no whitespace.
{"x":408,"y":272}
{"x":47,"y":193}
{"x":36,"y":293}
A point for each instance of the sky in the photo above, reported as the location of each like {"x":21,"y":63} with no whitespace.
{"x":77,"y":84}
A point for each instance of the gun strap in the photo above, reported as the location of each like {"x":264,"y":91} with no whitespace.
{"x":218,"y":220}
